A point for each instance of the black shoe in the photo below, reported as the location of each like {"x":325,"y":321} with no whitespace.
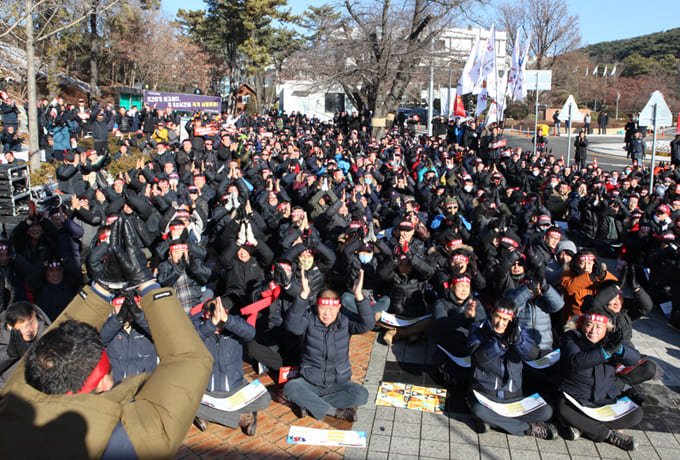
{"x":349,"y":414}
{"x":300,"y":411}
{"x":543,"y":430}
{"x":620,"y":440}
{"x":200,"y":424}
{"x":479,"y":425}
{"x":637,"y":397}
{"x":250,"y":426}
{"x":573,"y":433}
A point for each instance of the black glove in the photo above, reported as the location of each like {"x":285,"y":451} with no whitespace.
{"x":182,"y":264}
{"x":111,"y":275}
{"x":16,"y":346}
{"x":599,"y":272}
{"x":131,"y":259}
{"x":513,"y":332}
{"x":129,"y":311}
{"x":632,"y":279}
{"x":280,"y":276}
{"x":614,"y":341}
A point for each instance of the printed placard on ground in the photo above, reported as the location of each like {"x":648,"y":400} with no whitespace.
{"x":546,"y":361}
{"x":318,"y":437}
{"x":465,"y":361}
{"x":607,"y":413}
{"x":288,"y":373}
{"x":392,"y":320}
{"x":238,"y":400}
{"x":513,"y":409}
{"x":409,"y":396}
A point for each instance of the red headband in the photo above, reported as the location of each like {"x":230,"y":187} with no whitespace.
{"x":179,"y":247}
{"x":54,"y":264}
{"x":586,"y":258}
{"x":179,"y":214}
{"x":297,"y":212}
{"x":174,"y":228}
{"x":328,"y":302}
{"x":111,"y":219}
{"x":98,"y":373}
{"x":461,"y":279}
{"x":597,"y":318}
{"x":460,"y":258}
{"x":506,"y":311}
{"x":455,"y":242}
{"x":510,"y":241}
{"x":555,"y":233}
{"x":104,"y":235}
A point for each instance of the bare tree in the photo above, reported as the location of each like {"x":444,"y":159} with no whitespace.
{"x":48,"y":11}
{"x":373,"y":50}
{"x":553,"y":30}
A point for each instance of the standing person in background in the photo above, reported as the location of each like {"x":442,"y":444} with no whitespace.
{"x":581,"y":146}
{"x":586,"y":122}
{"x":556,"y":120}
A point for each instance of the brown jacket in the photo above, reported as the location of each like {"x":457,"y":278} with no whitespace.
{"x":155,"y":410}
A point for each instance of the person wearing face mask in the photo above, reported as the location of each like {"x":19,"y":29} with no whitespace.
{"x":591,"y":350}
{"x":367,"y":257}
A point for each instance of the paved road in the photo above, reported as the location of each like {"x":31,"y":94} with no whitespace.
{"x":607,"y":149}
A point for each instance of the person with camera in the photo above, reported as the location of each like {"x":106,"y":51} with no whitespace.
{"x":498,"y":345}
{"x":62,"y":394}
{"x":590,"y":352}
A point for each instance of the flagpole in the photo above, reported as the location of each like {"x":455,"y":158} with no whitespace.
{"x":651,"y":172}
{"x":536,"y":116}
{"x":569,"y":137}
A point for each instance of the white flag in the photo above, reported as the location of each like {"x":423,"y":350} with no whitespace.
{"x":498,"y":107}
{"x":467,"y":82}
{"x":614,"y":71}
{"x":487,"y":69}
{"x":514,"y":65}
{"x":595,"y":71}
{"x":520,"y":89}
{"x":481,"y":101}
{"x":587,"y":71}
{"x":604,"y":72}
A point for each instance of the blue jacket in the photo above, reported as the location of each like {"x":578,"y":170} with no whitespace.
{"x":226,"y":349}
{"x":496,"y":366}
{"x":325,"y":349}
{"x":534,"y":313}
{"x":130,"y":353}
{"x":587,"y":373}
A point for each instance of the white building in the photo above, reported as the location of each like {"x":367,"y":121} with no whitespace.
{"x":312,"y":99}
{"x":455,"y":43}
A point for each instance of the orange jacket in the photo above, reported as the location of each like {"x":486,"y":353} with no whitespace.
{"x":575,"y":289}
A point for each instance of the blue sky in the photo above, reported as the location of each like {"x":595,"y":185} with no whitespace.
{"x":599,"y":20}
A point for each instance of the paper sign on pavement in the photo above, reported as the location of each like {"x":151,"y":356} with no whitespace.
{"x":392,"y":320}
{"x":607,"y":413}
{"x":462,"y":362}
{"x":317,"y":437}
{"x":513,"y":409}
{"x":238,"y":400}
{"x":546,"y":361}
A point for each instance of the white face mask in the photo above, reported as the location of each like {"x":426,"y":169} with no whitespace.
{"x":535,"y":173}
{"x":467,"y":188}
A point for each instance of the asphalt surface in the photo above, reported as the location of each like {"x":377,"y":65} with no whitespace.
{"x":608,"y":149}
